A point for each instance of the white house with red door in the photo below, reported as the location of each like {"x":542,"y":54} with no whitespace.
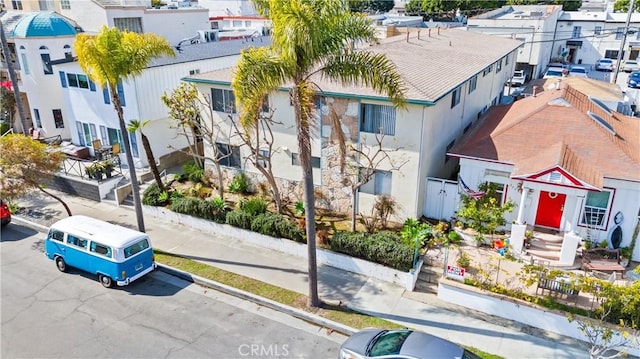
{"x":567,"y":159}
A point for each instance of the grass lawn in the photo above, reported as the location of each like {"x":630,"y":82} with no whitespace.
{"x":332,"y":312}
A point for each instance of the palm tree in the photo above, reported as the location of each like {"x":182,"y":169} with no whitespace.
{"x":135,"y":125}
{"x":108,"y":58}
{"x":310,"y":37}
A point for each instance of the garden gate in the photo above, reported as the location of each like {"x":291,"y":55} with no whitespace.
{"x":442,"y":198}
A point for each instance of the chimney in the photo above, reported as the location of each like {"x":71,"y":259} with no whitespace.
{"x":535,"y":91}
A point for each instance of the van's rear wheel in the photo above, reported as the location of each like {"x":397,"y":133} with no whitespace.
{"x":60,"y":263}
{"x":106,"y":281}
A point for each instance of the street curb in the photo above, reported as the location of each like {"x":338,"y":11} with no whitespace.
{"x":39,"y":227}
{"x":297,"y":313}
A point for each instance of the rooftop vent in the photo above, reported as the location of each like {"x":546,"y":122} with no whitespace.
{"x":600,"y":104}
{"x":602,"y":122}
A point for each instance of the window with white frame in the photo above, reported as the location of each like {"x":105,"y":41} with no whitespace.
{"x":78,"y":80}
{"x":223,"y":100}
{"x":595,"y":209}
{"x":597,"y":30}
{"x":295,"y":160}
{"x":576,"y":31}
{"x":378,"y":119}
{"x":499,"y":191}
{"x":16,"y":4}
{"x":57,"y":118}
{"x":65,"y":4}
{"x":473,"y":83}
{"x":25,"y":63}
{"x":228,"y":155}
{"x":619,"y":33}
{"x":36,"y":115}
{"x":237,"y":23}
{"x":46,"y":60}
{"x":380,"y":183}
{"x":487,"y":71}
{"x":499,"y":66}
{"x":263,"y":155}
{"x":46,"y":5}
{"x":455,"y":97}
{"x":506,"y":59}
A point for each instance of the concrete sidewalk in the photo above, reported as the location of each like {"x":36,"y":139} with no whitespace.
{"x":421,"y":311}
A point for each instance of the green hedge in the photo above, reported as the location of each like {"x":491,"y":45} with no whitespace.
{"x":277,"y":225}
{"x":151,"y":196}
{"x":385,"y":248}
{"x":240,"y":219}
{"x":199,"y":208}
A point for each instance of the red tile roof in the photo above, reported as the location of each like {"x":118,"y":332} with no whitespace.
{"x":553,"y":129}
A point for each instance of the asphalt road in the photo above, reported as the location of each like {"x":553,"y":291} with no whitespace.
{"x":46,"y":313}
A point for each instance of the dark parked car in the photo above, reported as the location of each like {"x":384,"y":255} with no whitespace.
{"x":402,"y":343}
{"x":634,"y":80}
{"x":5,"y":213}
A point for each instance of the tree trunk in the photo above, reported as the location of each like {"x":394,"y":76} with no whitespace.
{"x":304,"y":147}
{"x":275,"y":191}
{"x":14,"y":83}
{"x":354,"y":192}
{"x":152,"y":161}
{"x":135,"y":187}
{"x":66,"y":207}
{"x":220,"y":182}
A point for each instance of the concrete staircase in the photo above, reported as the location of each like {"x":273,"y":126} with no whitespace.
{"x":428,"y":277}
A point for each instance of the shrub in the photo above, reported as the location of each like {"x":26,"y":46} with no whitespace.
{"x":299,"y":209}
{"x":454,"y":238}
{"x":239,"y":218}
{"x":240,"y":184}
{"x":276,"y":225}
{"x":214,"y":210}
{"x":192,"y":171}
{"x":151,"y":196}
{"x":413,"y":228}
{"x":383,"y":247}
{"x":253,"y":206}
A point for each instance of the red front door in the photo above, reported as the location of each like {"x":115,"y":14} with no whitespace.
{"x":550,"y":208}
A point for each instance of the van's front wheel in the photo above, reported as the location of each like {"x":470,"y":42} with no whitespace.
{"x":60,"y":263}
{"x":106,"y":281}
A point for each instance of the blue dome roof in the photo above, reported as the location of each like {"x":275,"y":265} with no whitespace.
{"x":43,"y":24}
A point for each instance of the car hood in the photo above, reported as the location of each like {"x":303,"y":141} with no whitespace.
{"x":358,"y":342}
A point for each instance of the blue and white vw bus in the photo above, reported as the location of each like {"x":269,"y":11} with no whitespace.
{"x":114,"y":253}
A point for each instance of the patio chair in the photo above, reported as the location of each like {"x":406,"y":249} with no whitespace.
{"x":115,"y":151}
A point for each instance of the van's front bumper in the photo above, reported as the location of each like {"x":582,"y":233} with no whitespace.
{"x":128,"y":280}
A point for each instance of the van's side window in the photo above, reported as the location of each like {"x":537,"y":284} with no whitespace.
{"x":77,"y":241}
{"x":57,"y":235}
{"x":136,"y":248}
{"x":101,"y":249}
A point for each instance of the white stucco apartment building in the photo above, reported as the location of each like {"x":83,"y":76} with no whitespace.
{"x":452,"y":77}
{"x":91,"y":115}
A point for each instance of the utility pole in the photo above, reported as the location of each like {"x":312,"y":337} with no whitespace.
{"x":624,"y":40}
{"x":14,"y":80}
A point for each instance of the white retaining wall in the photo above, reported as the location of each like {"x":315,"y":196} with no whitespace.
{"x":511,"y":309}
{"x":326,"y":257}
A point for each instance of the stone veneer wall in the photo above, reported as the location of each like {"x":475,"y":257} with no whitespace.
{"x":335,"y":192}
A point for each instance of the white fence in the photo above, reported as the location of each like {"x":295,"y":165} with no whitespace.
{"x":442,"y":198}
